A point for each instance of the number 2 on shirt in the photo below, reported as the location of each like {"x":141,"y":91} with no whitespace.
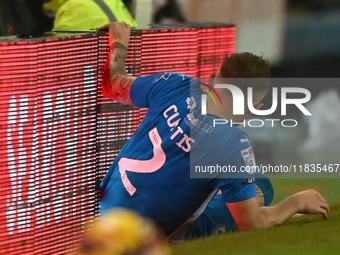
{"x":143,"y":166}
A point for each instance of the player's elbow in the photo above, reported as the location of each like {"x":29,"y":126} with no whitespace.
{"x":109,"y":87}
{"x":116,"y":92}
{"x":108,"y":91}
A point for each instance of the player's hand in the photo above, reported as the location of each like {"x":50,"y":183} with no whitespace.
{"x":311,"y":201}
{"x":118,"y":32}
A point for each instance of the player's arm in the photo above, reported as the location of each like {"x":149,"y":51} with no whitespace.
{"x":249,"y":215}
{"x":116,"y":82}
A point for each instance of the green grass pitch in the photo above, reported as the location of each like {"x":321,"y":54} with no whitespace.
{"x":308,"y":234}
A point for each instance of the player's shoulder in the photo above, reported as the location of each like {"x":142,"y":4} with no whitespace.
{"x":225,"y":137}
{"x":238,"y":137}
{"x":237,"y":141}
{"x":229,"y":133}
{"x":164,"y":77}
{"x":240,"y":142}
{"x":171,"y":76}
{"x":158,"y":88}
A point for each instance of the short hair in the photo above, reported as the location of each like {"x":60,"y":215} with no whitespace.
{"x":247,"y":65}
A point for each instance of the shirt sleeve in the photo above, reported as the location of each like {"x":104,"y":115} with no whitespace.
{"x":242,"y":184}
{"x":140,"y":90}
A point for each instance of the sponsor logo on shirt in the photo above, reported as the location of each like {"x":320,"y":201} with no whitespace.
{"x":248,"y":159}
{"x":248,"y":181}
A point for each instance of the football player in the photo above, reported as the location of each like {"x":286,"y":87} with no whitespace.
{"x":151,"y":174}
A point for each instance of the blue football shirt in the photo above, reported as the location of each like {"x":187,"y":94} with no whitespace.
{"x":151,"y":174}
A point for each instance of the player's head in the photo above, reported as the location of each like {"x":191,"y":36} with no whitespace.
{"x":243,"y":65}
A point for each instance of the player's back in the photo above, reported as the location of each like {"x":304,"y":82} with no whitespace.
{"x":152,"y":172}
